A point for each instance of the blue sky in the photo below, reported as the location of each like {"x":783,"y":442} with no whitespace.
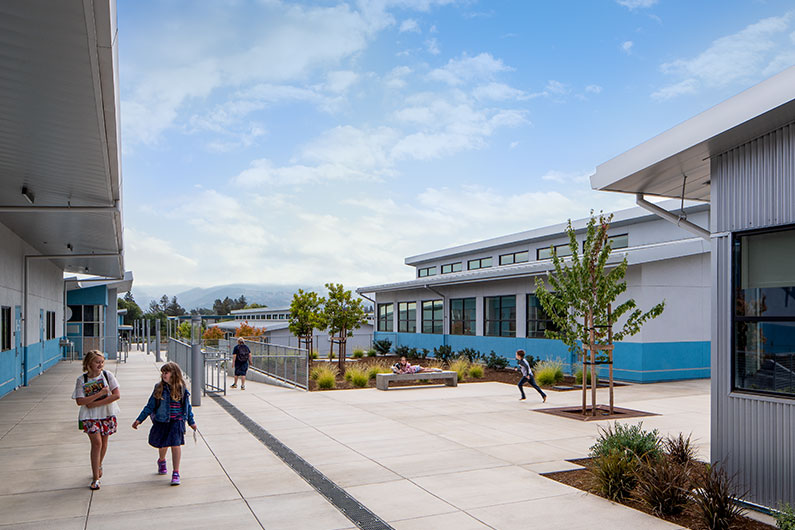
{"x":307,"y":142}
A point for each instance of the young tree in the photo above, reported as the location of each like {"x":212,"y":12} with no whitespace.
{"x":306,"y":315}
{"x":246,"y":330}
{"x":173,"y":309}
{"x":583,"y":285}
{"x":133,"y":311}
{"x":343,"y":314}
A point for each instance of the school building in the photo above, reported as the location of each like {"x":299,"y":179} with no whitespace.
{"x":482,"y":295}
{"x":60,"y":180}
{"x":739,"y":156}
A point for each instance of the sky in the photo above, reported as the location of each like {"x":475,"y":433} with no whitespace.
{"x":325,"y":141}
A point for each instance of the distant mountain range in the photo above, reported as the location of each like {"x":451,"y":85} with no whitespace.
{"x":272,"y":295}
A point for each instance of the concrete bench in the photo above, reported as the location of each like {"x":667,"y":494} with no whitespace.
{"x":449,"y":378}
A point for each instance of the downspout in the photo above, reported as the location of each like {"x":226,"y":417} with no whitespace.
{"x":375,"y":315}
{"x":444,"y":311}
{"x":679,"y":221}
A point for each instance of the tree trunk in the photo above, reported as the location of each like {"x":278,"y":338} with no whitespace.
{"x":341,"y":359}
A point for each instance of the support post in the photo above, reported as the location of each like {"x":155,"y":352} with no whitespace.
{"x":146,"y":335}
{"x":197,"y":363}
{"x":592,"y":338}
{"x":610,"y":352}
{"x":157,"y":342}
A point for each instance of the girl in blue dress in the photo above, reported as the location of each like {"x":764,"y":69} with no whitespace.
{"x":169,"y":407}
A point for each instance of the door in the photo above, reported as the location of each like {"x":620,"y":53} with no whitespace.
{"x":18,"y":344}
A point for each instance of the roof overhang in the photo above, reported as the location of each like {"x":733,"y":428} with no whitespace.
{"x":658,"y":166}
{"x":59,"y":131}
{"x":635,"y":256}
{"x":122,"y":285}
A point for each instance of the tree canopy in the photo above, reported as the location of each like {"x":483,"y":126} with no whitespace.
{"x":583,"y":283}
{"x":306,"y":315}
{"x":227,"y":305}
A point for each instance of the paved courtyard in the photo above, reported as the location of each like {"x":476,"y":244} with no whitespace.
{"x":420,"y":458}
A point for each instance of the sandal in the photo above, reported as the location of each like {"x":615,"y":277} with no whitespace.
{"x":100,"y":471}
{"x":94,"y":484}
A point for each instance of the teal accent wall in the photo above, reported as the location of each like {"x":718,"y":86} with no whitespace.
{"x":633,"y":361}
{"x":97,"y":295}
{"x":41,"y":357}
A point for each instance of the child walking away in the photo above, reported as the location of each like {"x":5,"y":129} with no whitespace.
{"x":96,"y":391}
{"x":527,"y":376}
{"x":169,"y":407}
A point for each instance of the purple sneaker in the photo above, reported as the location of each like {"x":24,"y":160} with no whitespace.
{"x":175,"y":478}
{"x":161,"y":467}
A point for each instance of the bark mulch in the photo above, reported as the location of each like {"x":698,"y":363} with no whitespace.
{"x":582,"y":479}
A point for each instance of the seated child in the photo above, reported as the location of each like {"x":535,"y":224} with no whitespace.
{"x":403,"y":367}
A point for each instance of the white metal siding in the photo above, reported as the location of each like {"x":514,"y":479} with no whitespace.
{"x":753,"y":186}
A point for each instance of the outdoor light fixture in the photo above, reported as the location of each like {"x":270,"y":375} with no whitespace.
{"x":28,"y":194}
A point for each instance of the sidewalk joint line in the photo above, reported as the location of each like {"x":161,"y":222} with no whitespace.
{"x":355,"y":511}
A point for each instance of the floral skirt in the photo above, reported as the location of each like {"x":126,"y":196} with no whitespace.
{"x":104,"y":426}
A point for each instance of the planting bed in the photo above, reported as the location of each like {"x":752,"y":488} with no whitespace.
{"x":582,"y":479}
{"x":602,"y":413}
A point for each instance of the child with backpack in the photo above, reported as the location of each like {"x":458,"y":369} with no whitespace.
{"x":527,"y":376}
{"x":96,"y":391}
{"x":241,"y":355}
{"x":168,"y":407}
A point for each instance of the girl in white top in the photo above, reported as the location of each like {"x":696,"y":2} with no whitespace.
{"x":96,"y":391}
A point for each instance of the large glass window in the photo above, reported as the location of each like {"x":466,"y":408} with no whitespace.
{"x":560,"y":250}
{"x":386,"y":317}
{"x":407,"y":317}
{"x":480,"y":263}
{"x":452,"y":267}
{"x":500,"y":317}
{"x":433,"y":316}
{"x":5,"y":328}
{"x":50,"y":325}
{"x":538,"y":320}
{"x":462,"y":316}
{"x":515,"y":257}
{"x":426,"y":271}
{"x":764,"y":312}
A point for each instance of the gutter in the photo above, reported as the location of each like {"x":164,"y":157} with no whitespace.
{"x":678,"y":220}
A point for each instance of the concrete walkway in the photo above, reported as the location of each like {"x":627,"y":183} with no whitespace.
{"x":420,"y":458}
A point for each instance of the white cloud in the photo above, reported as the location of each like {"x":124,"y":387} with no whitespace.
{"x":432,"y":45}
{"x":479,"y":67}
{"x":593,"y":89}
{"x":760,"y":49}
{"x":636,"y":4}
{"x":340,"y":81}
{"x":556,"y":88}
{"x":498,"y":92}
{"x":513,"y":145}
{"x":626,"y":46}
{"x":410,"y":25}
{"x":155,"y":260}
{"x":396,"y":77}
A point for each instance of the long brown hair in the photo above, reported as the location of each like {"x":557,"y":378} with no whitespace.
{"x":89,"y":356}
{"x":177,"y":384}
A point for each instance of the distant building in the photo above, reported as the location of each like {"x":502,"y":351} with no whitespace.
{"x":482,"y":296}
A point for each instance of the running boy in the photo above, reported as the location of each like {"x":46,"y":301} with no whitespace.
{"x":527,"y":376}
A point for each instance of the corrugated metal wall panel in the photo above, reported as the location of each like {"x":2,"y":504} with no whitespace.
{"x":753,"y":186}
{"x":750,"y":182}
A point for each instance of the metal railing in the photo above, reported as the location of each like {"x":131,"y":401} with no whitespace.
{"x":283,"y":363}
{"x":216,"y":359}
{"x":179,"y":352}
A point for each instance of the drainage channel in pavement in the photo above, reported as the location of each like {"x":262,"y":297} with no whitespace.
{"x":359,"y":514}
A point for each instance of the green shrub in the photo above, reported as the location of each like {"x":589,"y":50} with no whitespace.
{"x":358,"y":377}
{"x":402,"y":351}
{"x":382,"y":346}
{"x":785,"y":517}
{"x":331,"y":355}
{"x":444,"y":353}
{"x":371,"y":352}
{"x":614,"y":474}
{"x":423,"y":353}
{"x":358,"y":354}
{"x":378,"y":368}
{"x":680,"y":449}
{"x":622,"y":438}
{"x":496,"y":362}
{"x":471,"y":354}
{"x":461,"y":367}
{"x":714,"y":498}
{"x":578,"y":376}
{"x":663,"y":484}
{"x":326,"y":377}
{"x":476,"y":371}
{"x":313,"y":355}
{"x":549,"y":372}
